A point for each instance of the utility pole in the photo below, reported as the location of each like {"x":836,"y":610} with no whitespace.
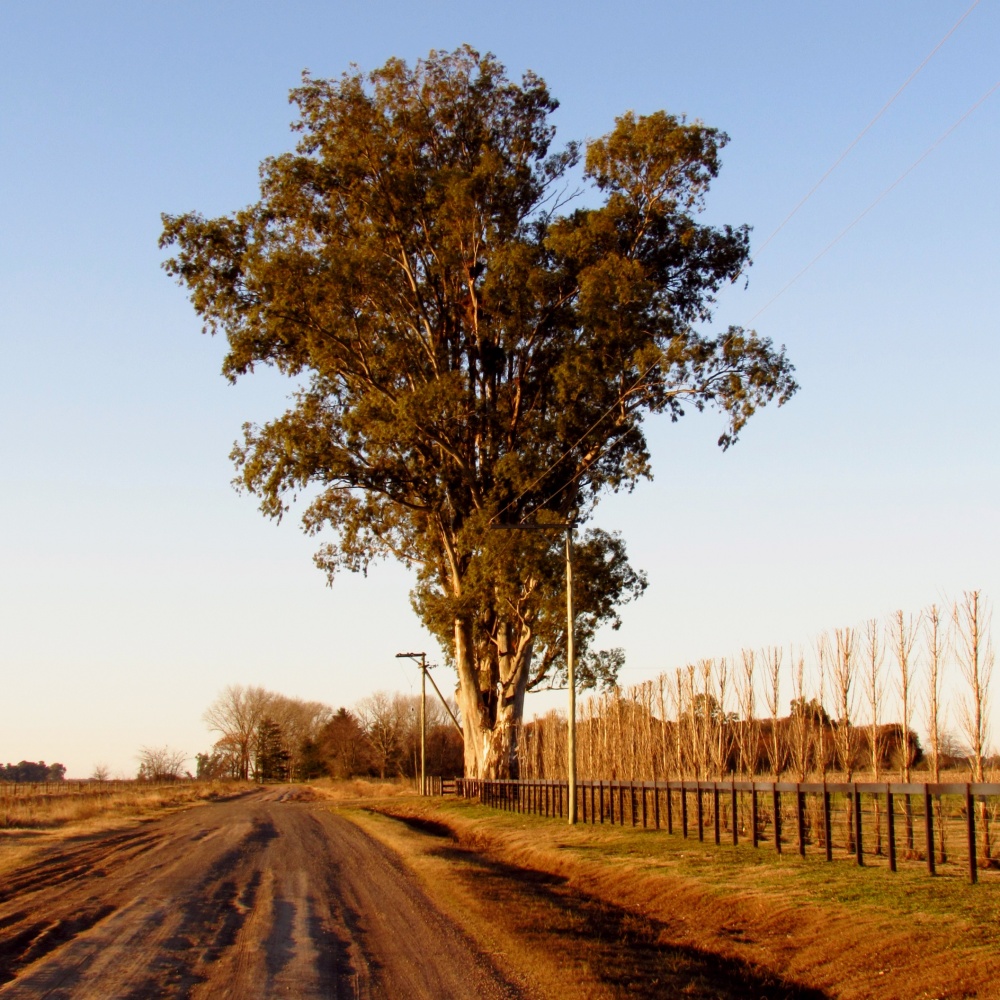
{"x":421,"y":660}
{"x":570,"y":678}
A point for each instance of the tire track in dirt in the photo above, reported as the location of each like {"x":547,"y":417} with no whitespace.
{"x":255,"y":897}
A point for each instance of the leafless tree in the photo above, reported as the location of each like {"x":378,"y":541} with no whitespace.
{"x":160,"y":763}
{"x":975,"y":658}
{"x":874,"y":690}
{"x":823,"y":655}
{"x":384,"y":721}
{"x":801,"y":720}
{"x":678,"y":694}
{"x":101,"y":772}
{"x":723,"y":728}
{"x":772,"y":658}
{"x":237,"y":714}
{"x":934,"y":641}
{"x":844,"y":668}
{"x":903,"y":633}
{"x":748,"y":732}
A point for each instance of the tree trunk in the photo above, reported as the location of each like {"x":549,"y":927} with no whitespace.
{"x":491,"y":711}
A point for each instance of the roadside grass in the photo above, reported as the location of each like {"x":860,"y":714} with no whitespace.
{"x":726,"y":869}
{"x":361,"y":788}
{"x":806,"y":923}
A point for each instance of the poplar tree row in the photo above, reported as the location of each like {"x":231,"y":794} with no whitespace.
{"x":854,"y":703}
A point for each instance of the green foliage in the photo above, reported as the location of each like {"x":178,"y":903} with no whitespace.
{"x":464,"y":354}
{"x":29,"y":770}
{"x":272,"y":758}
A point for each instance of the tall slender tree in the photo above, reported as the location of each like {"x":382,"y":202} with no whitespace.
{"x":466,"y":354}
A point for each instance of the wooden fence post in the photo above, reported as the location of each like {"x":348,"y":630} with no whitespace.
{"x":970,"y":826}
{"x":890,"y":813}
{"x":701,"y":813}
{"x":929,"y":828}
{"x":753,"y":813}
{"x":684,"y":809}
{"x":734,"y":814}
{"x":859,"y":850}
{"x":715,"y":810}
{"x":800,"y":815}
{"x":776,"y":801}
{"x":827,"y":825}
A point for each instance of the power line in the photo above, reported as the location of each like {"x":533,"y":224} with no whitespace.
{"x":923,"y":156}
{"x":885,"y":107}
{"x":576,"y":444}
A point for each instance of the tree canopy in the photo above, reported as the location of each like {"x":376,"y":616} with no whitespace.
{"x":468,"y":352}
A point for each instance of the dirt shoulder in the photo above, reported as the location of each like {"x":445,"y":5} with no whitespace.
{"x":630,"y":912}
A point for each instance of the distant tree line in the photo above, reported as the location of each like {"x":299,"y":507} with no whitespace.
{"x":264,"y":736}
{"x":29,"y":770}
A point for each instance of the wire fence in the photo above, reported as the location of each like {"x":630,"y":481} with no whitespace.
{"x":87,"y":786}
{"x":934,"y":824}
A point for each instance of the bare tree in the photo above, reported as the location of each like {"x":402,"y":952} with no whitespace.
{"x":384,"y":725}
{"x":678,"y":695}
{"x":801,"y":719}
{"x":875,"y":690}
{"x":844,"y":667}
{"x":903,"y":633}
{"x":975,"y":658}
{"x":723,"y":728}
{"x":101,"y":772}
{"x":823,"y":655}
{"x":934,"y":641}
{"x":237,"y":714}
{"x":846,"y":643}
{"x":160,"y":764}
{"x":748,"y":732}
{"x":772,"y":658}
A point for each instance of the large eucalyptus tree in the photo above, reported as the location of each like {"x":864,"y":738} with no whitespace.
{"x":468,"y":353}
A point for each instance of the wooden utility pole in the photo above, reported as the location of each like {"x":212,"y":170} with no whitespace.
{"x":421,"y":660}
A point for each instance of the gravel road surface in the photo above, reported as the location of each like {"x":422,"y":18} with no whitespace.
{"x":268,"y":895}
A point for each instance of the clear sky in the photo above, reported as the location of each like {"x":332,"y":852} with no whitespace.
{"x":135,"y":582}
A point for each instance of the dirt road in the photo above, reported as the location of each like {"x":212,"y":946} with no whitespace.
{"x":262,"y":896}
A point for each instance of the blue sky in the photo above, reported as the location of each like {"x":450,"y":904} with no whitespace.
{"x":135,"y":583}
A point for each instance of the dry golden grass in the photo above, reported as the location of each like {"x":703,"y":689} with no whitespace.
{"x":48,"y":809}
{"x":33,"y":820}
{"x":626,"y":912}
{"x":366,"y":789}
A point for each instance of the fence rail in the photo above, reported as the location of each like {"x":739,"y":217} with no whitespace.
{"x":761,"y":808}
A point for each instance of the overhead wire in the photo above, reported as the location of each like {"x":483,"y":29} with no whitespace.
{"x":923,"y":156}
{"x":571,"y":448}
{"x":885,"y":107}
